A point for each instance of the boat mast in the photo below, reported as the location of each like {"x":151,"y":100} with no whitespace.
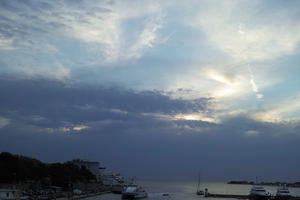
{"x":198,"y":187}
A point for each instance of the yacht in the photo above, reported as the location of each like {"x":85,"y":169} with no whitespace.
{"x":134,"y":192}
{"x":283,"y":193}
{"x":117,"y":188}
{"x":200,"y":192}
{"x":259,"y":193}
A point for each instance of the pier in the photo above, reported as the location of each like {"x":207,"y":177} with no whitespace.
{"x":232,"y":196}
{"x":236,"y":196}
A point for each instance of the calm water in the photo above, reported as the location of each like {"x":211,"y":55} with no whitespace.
{"x":186,"y":190}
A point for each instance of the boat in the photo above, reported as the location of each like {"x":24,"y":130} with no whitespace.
{"x":134,"y":192}
{"x":118,"y":184}
{"x":283,"y":193}
{"x":259,"y":193}
{"x":117,"y":188}
{"x":199,"y":191}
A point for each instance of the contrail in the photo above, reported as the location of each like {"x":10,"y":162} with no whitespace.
{"x":253,"y":84}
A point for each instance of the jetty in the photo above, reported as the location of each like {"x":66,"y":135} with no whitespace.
{"x":237,"y":196}
{"x":231,"y":196}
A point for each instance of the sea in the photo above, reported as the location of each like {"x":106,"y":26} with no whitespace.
{"x":187,"y":190}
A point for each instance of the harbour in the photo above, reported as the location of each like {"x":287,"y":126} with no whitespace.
{"x":84,"y":179}
{"x":185,"y":190}
{"x":179,"y":190}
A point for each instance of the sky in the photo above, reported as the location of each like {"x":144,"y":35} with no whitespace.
{"x":154,"y":89}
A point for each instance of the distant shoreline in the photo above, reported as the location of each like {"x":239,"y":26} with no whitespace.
{"x":295,"y":184}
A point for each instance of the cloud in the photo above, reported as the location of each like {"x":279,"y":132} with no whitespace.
{"x":81,"y":121}
{"x":252,"y":132}
{"x":80,"y":75}
{"x":58,"y":105}
{"x":99,"y":25}
{"x":146,"y":39}
{"x":5,"y":44}
{"x":4,"y":122}
{"x":237,"y":28}
{"x":254,"y":85}
{"x":80,"y":127}
{"x":283,"y":110}
{"x":195,"y":117}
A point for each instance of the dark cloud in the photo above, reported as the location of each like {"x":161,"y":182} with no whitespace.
{"x":56,"y":101}
{"x":125,"y":140}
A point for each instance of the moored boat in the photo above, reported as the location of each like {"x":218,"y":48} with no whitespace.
{"x":134,"y":192}
{"x":117,"y":188}
{"x":200,"y":192}
{"x":259,"y":193}
{"x":283,"y":193}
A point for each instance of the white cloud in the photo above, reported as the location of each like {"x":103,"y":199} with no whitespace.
{"x":56,"y":70}
{"x":194,"y":117}
{"x":147,"y":38}
{"x":118,"y":111}
{"x":5,"y":44}
{"x":100,"y":29}
{"x":181,"y":116}
{"x":107,"y":31}
{"x":252,"y":132}
{"x":80,"y":127}
{"x":283,"y":110}
{"x":4,"y":122}
{"x":246,"y":35}
{"x":254,"y":85}
{"x":67,"y":129}
{"x":159,"y":116}
{"x":210,"y":81}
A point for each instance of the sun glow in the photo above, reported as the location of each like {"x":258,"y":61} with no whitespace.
{"x":80,"y":127}
{"x":193,"y":117}
{"x":230,"y":85}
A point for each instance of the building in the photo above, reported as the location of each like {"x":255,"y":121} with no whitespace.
{"x":7,"y":194}
{"x":93,"y":166}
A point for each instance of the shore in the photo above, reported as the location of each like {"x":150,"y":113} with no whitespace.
{"x":295,"y":185}
{"x":84,"y":196}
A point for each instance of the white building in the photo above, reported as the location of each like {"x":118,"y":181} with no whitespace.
{"x":7,"y":194}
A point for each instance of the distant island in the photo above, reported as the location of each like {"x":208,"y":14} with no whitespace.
{"x":295,"y":184}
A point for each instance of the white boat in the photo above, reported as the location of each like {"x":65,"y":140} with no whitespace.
{"x":117,"y":188}
{"x":134,"y":192}
{"x":283,"y":193}
{"x":259,"y":193}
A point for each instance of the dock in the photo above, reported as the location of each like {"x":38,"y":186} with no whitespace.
{"x":232,"y":196}
{"x":235,"y":196}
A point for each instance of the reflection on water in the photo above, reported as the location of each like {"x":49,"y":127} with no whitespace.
{"x":187,"y":190}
